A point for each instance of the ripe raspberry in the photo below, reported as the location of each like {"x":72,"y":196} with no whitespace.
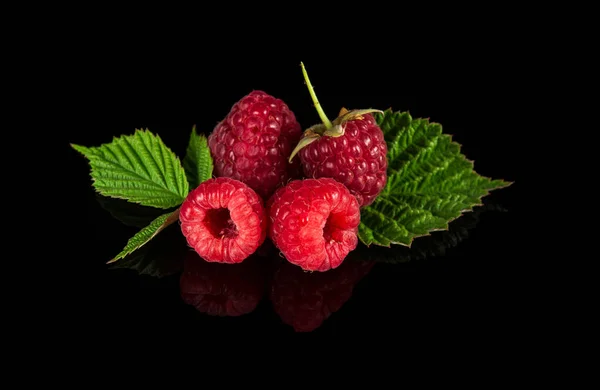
{"x":222,"y":289}
{"x":357,"y":159}
{"x":253,"y":142}
{"x":351,"y":150}
{"x":304,"y":300}
{"x":223,"y":220}
{"x":314,"y":223}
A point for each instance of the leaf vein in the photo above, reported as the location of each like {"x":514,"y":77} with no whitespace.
{"x":151,"y":159}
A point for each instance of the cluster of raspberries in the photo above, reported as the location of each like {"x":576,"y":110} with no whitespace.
{"x":308,"y":206}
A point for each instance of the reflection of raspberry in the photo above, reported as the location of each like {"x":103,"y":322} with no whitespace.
{"x":314,"y":223}
{"x":223,"y":220}
{"x":252,"y":144}
{"x":304,"y":300}
{"x":221,"y":289}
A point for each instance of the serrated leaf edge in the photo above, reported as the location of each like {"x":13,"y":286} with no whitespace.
{"x":461,"y":212}
{"x":83,"y":149}
{"x":445,"y":228}
{"x":172,"y":217}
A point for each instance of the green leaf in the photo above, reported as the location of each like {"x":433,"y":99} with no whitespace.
{"x":138,"y":168}
{"x":436,"y":244}
{"x":146,"y":234}
{"x":198,"y":163}
{"x":429,"y":184}
{"x":161,"y":257}
{"x":130,"y":214}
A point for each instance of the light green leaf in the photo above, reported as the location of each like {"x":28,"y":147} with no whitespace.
{"x":429,"y":184}
{"x":198,"y":163}
{"x":138,"y":168}
{"x":146,"y":234}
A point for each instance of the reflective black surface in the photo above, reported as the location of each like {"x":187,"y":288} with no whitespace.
{"x":455,"y":282}
{"x":441,"y":274}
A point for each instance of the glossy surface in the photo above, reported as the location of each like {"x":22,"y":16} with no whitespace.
{"x":373,"y":286}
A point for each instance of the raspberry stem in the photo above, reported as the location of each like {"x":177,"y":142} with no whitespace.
{"x":313,"y":96}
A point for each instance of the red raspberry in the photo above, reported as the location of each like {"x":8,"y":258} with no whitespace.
{"x":351,"y":149}
{"x":314,"y":223}
{"x":253,"y":142}
{"x":304,"y":300}
{"x":222,"y":289}
{"x":357,"y":159}
{"x":223,"y":220}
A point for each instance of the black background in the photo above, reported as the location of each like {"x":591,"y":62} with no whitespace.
{"x":142,"y":81}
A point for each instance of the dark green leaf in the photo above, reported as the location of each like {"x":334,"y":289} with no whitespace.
{"x":430,"y":183}
{"x":198,"y":163}
{"x":432,"y":245}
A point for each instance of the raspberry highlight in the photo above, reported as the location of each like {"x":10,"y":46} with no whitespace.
{"x":314,"y":223}
{"x":224,"y":220}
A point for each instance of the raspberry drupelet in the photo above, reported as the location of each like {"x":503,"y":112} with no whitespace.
{"x":223,"y":220}
{"x":351,"y":150}
{"x":314,"y":223}
{"x":253,"y":143}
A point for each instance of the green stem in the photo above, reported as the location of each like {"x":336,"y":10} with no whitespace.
{"x":322,"y":115}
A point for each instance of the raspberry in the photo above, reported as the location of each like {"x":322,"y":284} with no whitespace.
{"x":221,"y":289}
{"x":357,"y":159}
{"x":351,"y":150}
{"x":314,"y":223}
{"x":253,"y":142}
{"x":304,"y":300}
{"x":223,"y":220}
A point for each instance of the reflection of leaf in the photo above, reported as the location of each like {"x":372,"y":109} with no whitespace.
{"x":433,"y":245}
{"x":161,"y":257}
{"x":130,"y":214}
